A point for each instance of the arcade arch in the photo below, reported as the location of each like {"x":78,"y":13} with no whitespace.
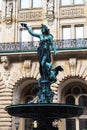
{"x":74,"y":91}
{"x":24,"y":92}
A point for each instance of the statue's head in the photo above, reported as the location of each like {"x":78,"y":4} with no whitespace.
{"x":44,"y":29}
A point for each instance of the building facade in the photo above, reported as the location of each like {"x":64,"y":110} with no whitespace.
{"x":19,"y":67}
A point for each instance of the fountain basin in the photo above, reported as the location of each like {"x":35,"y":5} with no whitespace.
{"x":48,"y":111}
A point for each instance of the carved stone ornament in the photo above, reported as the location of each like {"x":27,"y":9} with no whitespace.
{"x":50,"y":11}
{"x":72,"y":62}
{"x":9,"y":12}
{"x":5,"y":62}
{"x":30,"y":15}
{"x":6,"y":71}
{"x":72,"y":12}
{"x":27,"y":64}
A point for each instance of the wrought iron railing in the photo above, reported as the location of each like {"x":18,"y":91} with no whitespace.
{"x":70,"y":44}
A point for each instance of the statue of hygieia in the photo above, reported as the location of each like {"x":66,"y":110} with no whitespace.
{"x":48,"y":72}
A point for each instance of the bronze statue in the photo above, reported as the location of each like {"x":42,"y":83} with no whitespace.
{"x":47,"y":71}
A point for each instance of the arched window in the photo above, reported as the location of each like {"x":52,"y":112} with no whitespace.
{"x":70,"y":123}
{"x":83,"y":122}
{"x":83,"y":100}
{"x":28,"y":121}
{"x":70,"y":100}
{"x":29,"y":95}
{"x":77,"y":95}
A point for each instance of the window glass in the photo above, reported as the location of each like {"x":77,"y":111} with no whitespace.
{"x":78,"y":1}
{"x":24,"y":35}
{"x":70,"y":100}
{"x":83,"y":101}
{"x":25,"y":4}
{"x":83,"y":124}
{"x":70,"y":124}
{"x":35,"y":39}
{"x":79,"y":31}
{"x":66,"y":2}
{"x":37,"y":3}
{"x":66,"y":32}
{"x":38,"y":31}
{"x":0,"y":4}
{"x":78,"y":98}
{"x":28,"y":121}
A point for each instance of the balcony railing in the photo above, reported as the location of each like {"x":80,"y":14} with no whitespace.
{"x":71,"y":44}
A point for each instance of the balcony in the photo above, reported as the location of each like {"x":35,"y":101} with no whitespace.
{"x":30,"y":47}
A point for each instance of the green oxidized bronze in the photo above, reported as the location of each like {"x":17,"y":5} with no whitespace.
{"x":48,"y":72}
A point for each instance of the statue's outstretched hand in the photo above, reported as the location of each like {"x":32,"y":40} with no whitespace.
{"x":23,"y":24}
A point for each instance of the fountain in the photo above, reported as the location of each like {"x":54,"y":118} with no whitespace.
{"x":45,"y":111}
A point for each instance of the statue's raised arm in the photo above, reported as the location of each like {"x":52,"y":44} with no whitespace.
{"x":30,"y":30}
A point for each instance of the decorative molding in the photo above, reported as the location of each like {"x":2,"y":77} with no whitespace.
{"x":72,"y":63}
{"x":27,"y":65}
{"x":9,"y":12}
{"x":5,"y":62}
{"x":70,"y":12}
{"x":30,"y":15}
{"x":50,"y":16}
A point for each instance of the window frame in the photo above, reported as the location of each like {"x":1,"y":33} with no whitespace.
{"x":25,"y":7}
{"x":36,"y":28}
{"x":77,"y":97}
{"x":29,"y":7}
{"x":80,"y":25}
{"x":72,"y":3}
{"x":61,"y":1}
{"x":36,"y":6}
{"x":67,"y":26}
{"x":20,"y":38}
{"x":78,"y":3}
{"x":30,"y":36}
{"x":1,"y":5}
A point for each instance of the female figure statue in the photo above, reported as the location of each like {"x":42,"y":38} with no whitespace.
{"x":47,"y":71}
{"x":46,"y":41}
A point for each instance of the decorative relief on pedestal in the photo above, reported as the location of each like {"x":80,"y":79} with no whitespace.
{"x":27,"y":15}
{"x":72,"y":12}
